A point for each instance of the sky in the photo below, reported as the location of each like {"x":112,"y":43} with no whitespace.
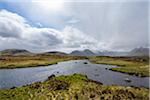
{"x":66,"y":25}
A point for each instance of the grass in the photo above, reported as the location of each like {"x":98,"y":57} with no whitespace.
{"x":130,"y":65}
{"x":32,"y":61}
{"x":73,"y":87}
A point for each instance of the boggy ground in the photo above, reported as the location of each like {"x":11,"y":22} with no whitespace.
{"x":138,"y":66}
{"x":73,"y":87}
{"x":21,"y":61}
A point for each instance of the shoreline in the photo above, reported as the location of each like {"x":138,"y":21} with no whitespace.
{"x":123,"y":66}
{"x":112,"y":69}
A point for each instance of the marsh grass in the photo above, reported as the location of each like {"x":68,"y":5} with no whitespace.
{"x":133,"y":66}
{"x":33,"y":61}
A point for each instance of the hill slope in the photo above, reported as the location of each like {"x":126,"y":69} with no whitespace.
{"x":15,"y":52}
{"x":139,"y":52}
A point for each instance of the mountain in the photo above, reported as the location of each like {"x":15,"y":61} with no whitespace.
{"x":77,"y":53}
{"x":139,"y":52}
{"x":25,"y":52}
{"x":135,"y":52}
{"x":88,"y":52}
{"x":85,"y":52}
{"x":99,"y":53}
{"x":111,"y":53}
{"x":15,"y":52}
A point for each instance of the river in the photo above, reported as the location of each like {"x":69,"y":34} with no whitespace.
{"x":98,"y":72}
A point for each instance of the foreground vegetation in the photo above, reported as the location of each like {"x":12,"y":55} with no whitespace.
{"x":131,"y":65}
{"x":21,"y":61}
{"x":73,"y":87}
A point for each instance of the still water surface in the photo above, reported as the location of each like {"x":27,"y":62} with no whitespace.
{"x":98,"y":72}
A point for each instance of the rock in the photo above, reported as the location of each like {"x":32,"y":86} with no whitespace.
{"x":13,"y":87}
{"x":85,"y":63}
{"x":51,"y":76}
{"x":57,"y":72}
{"x":106,"y":68}
{"x":127,"y":80}
{"x":139,"y":75}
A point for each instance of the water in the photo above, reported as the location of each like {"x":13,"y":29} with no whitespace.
{"x":98,"y":72}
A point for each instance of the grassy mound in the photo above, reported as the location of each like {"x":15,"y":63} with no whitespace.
{"x":73,"y":87}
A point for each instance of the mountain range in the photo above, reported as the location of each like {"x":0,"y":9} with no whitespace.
{"x":135,"y":52}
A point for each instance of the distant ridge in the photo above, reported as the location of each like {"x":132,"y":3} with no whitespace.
{"x":139,"y":52}
{"x":135,"y":52}
{"x":88,"y":52}
{"x":26,"y":52}
{"x":56,"y":53}
{"x":15,"y":52}
{"x":111,"y":53}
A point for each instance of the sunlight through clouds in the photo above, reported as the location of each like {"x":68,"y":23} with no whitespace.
{"x":50,"y":5}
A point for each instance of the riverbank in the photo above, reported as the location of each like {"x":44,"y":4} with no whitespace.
{"x":21,"y":61}
{"x":130,"y":65}
{"x":74,"y":87}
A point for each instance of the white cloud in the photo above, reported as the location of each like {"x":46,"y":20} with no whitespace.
{"x":73,"y":21}
{"x":117,"y":25}
{"x":50,"y":13}
{"x":11,"y":24}
{"x":15,"y":32}
{"x":95,"y":25}
{"x":74,"y":38}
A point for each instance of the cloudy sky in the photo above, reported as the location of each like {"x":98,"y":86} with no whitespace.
{"x":66,"y":25}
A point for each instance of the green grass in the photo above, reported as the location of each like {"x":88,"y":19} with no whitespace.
{"x":132,"y":66}
{"x":73,"y":87}
{"x":32,"y":61}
